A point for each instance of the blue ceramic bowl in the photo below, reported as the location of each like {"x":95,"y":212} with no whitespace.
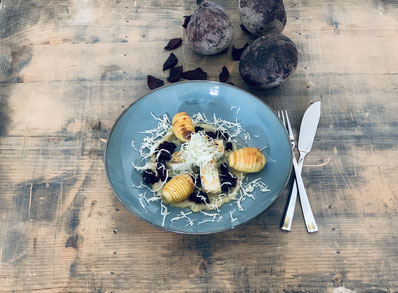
{"x":209,"y":98}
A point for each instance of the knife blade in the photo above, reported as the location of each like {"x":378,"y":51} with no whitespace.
{"x":309,"y":125}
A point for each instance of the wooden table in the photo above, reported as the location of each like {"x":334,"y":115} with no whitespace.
{"x":68,"y":68}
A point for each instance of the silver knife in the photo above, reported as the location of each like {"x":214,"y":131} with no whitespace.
{"x":309,"y":125}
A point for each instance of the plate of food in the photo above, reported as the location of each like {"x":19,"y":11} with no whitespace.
{"x":198,"y":157}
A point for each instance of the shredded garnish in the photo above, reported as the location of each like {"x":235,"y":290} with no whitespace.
{"x":213,"y":217}
{"x":133,"y":145}
{"x":246,"y":190}
{"x":150,"y":143}
{"x":232,"y":218}
{"x":164,"y":212}
{"x":232,"y":128}
{"x":183,"y":215}
{"x":156,"y":197}
{"x":141,"y":196}
{"x":199,"y":150}
{"x":140,"y":168}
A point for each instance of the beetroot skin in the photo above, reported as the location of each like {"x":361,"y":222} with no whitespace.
{"x":268,"y":61}
{"x":209,"y":30}
{"x":261,"y":17}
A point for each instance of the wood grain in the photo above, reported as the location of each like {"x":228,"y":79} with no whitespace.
{"x":68,"y":68}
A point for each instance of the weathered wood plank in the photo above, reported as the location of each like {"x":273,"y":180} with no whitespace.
{"x":67,"y":70}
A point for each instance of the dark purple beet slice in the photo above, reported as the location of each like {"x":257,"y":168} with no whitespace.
{"x":149,"y":176}
{"x":223,"y":76}
{"x":175,"y":74}
{"x":186,"y":20}
{"x":228,"y":146}
{"x":173,"y":44}
{"x":236,"y":53}
{"x":196,"y":74}
{"x":170,"y":62}
{"x":154,"y":82}
{"x":211,"y":134}
{"x":202,"y":197}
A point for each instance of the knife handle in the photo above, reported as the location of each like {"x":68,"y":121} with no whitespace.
{"x":305,"y":204}
{"x":288,"y":217}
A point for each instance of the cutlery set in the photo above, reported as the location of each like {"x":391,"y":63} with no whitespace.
{"x":308,"y":128}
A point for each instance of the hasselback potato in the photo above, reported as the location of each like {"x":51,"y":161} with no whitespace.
{"x":178,"y":188}
{"x":182,"y":126}
{"x":247,"y":160}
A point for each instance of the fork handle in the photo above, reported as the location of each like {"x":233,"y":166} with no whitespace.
{"x":288,"y":218}
{"x":305,"y":204}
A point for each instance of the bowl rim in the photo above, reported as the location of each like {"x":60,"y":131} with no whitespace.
{"x":185,"y":232}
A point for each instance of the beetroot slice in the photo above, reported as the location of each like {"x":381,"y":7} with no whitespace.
{"x":170,"y":62}
{"x":186,"y":20}
{"x":175,"y":74}
{"x":196,"y":74}
{"x":154,"y":82}
{"x":173,"y":44}
{"x":223,"y":76}
{"x":237,"y":53}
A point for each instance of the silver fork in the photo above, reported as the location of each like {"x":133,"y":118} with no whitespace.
{"x":305,"y":204}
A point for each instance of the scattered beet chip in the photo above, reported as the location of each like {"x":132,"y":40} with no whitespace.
{"x":154,"y":82}
{"x":175,"y":74}
{"x":186,"y":20}
{"x":170,"y":62}
{"x":236,"y":53}
{"x":196,"y":74}
{"x":173,"y":44}
{"x":223,"y":76}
